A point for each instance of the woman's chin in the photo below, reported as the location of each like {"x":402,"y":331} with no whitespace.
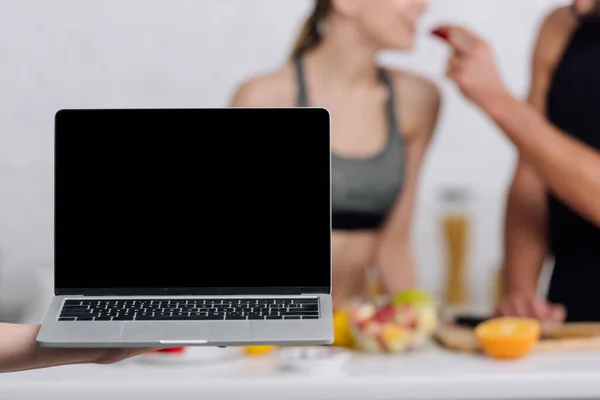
{"x":407,"y":46}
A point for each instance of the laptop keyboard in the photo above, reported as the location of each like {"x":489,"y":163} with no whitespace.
{"x":184,"y":310}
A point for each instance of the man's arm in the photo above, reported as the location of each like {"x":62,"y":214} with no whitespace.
{"x":525,"y":241}
{"x":568,"y":167}
{"x":525,"y":237}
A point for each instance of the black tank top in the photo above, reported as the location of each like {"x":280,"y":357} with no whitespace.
{"x":574,"y":106}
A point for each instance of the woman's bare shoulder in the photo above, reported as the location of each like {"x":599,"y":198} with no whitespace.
{"x":417,"y":87}
{"x":272,"y":89}
{"x":419,"y":101}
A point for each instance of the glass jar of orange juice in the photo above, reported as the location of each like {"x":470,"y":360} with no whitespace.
{"x":456,"y":226}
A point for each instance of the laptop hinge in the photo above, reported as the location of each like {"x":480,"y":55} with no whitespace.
{"x":296,"y":291}
{"x":313,"y":291}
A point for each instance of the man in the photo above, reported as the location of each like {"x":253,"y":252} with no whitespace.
{"x":554,"y":200}
{"x":19,"y":351}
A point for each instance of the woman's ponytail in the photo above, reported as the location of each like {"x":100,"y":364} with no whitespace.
{"x":310,"y":35}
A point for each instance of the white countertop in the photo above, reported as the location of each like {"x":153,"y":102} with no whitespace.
{"x":430,"y":374}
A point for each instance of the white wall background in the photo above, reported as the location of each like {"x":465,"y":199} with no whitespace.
{"x":192,"y":53}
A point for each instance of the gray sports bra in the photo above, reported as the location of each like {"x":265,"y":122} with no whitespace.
{"x":364,"y":190}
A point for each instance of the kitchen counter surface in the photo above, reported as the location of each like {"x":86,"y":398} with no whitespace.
{"x":432,"y":373}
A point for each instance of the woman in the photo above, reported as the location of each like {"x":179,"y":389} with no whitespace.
{"x":382,"y":122}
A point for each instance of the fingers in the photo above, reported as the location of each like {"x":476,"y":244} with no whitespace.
{"x":558,"y":313}
{"x":514,"y":307}
{"x":454,"y":67}
{"x":111,"y":356}
{"x":462,"y":41}
{"x":522,"y":307}
{"x":547,"y":312}
{"x":459,"y":38}
{"x":135,"y":352}
{"x":540,"y":309}
{"x":531,"y":307}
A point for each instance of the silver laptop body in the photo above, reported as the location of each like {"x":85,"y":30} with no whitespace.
{"x":191,"y":227}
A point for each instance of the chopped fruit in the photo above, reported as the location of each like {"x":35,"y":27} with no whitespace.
{"x":364,"y":312}
{"x":423,"y":306}
{"x":418,"y":339}
{"x":362,"y":325}
{"x":392,"y":339}
{"x":341,"y":329}
{"x":397,"y":347}
{"x":413,"y":296}
{"x":258,"y":350}
{"x":406,"y":316}
{"x":427,"y":319}
{"x":386,"y":314}
{"x":373,"y":328}
{"x":508,"y":337}
{"x":382,"y":344}
{"x":393,"y":333}
{"x":371,"y":344}
{"x":389,"y":327}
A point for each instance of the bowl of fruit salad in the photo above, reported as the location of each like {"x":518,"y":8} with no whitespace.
{"x":396,"y":324}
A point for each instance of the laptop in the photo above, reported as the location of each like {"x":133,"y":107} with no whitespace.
{"x":191,"y":227}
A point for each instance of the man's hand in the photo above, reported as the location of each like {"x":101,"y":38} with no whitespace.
{"x":472,"y":66}
{"x":530,"y":306}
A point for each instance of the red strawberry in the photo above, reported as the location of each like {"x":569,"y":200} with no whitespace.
{"x":364,"y":324}
{"x":386,"y":314}
{"x":171,"y":350}
{"x":441,"y":33}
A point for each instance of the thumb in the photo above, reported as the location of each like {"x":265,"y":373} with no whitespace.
{"x":558,"y":313}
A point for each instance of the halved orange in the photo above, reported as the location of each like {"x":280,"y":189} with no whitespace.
{"x":508,"y":337}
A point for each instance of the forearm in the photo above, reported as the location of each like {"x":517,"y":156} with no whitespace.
{"x":19,"y":350}
{"x":397,"y":269}
{"x":525,"y":251}
{"x":570,"y":169}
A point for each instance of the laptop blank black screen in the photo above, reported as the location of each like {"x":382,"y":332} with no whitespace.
{"x":192,"y":200}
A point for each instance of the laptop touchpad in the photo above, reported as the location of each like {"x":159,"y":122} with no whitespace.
{"x":186,"y":330}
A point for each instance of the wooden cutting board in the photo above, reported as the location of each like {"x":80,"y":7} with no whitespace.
{"x":565,"y":338}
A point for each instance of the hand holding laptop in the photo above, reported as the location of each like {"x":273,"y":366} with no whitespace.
{"x":19,"y":351}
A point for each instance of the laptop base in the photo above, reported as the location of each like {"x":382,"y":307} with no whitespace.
{"x":175,"y":333}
